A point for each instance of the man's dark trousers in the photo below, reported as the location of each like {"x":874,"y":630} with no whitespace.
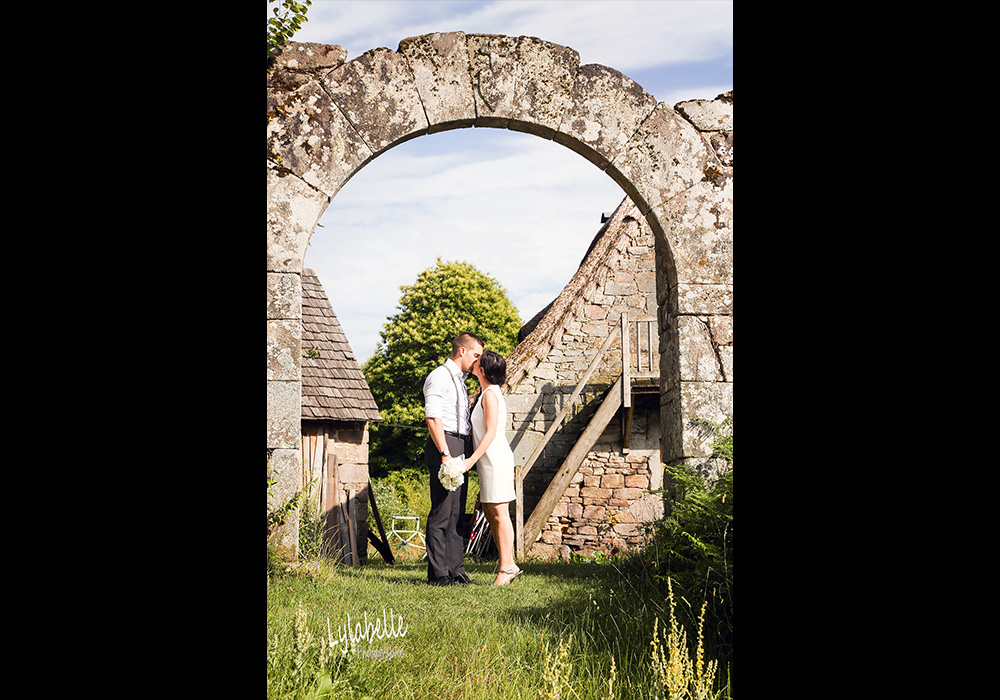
{"x":446,"y":530}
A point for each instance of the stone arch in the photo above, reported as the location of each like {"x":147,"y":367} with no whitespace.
{"x":327,"y":118}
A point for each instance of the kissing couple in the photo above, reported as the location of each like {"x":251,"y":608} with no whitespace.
{"x":480,"y":436}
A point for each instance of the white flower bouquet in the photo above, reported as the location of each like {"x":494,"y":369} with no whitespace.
{"x":452,"y":474}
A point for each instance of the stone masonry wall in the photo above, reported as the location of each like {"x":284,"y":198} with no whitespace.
{"x":608,"y":498}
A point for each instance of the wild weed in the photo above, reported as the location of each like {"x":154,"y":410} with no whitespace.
{"x":679,"y":677}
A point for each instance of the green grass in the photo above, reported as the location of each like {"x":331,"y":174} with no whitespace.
{"x":473,"y":642}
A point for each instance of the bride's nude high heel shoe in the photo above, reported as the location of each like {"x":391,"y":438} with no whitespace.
{"x":513,"y":573}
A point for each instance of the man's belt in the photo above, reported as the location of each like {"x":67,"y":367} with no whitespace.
{"x":456,"y":435}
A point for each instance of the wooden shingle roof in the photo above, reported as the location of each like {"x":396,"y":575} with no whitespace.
{"x":333,"y":387}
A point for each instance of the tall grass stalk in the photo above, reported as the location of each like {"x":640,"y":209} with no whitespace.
{"x":680,"y":678}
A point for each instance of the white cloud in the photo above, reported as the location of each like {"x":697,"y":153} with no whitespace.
{"x":626,"y":34}
{"x":519,"y":208}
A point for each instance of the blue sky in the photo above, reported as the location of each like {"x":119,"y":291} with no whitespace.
{"x":519,"y":208}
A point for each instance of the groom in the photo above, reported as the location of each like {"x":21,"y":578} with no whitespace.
{"x":446,"y":406}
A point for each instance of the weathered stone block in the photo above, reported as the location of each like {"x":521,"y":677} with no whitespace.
{"x":493,"y":66}
{"x":284,"y":348}
{"x":612,"y":481}
{"x":284,"y":414}
{"x":546,"y":75}
{"x":593,"y":513}
{"x":352,"y":473}
{"x":638,"y":481}
{"x":307,"y":56}
{"x":284,"y":468}
{"x":704,"y":299}
{"x":664,"y":157}
{"x":592,"y":492}
{"x":440,"y":65}
{"x":313,"y":140}
{"x":604,"y":111}
{"x":700,"y":232}
{"x":552,"y":537}
{"x":699,"y":361}
{"x":293,"y":208}
{"x":711,"y":401}
{"x":647,"y":508}
{"x":284,"y":295}
{"x":708,"y":115}
{"x":625,"y":529}
{"x":377,"y":94}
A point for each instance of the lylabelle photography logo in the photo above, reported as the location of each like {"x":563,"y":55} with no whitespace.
{"x":353,"y":635}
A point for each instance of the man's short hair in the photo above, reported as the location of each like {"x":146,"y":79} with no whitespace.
{"x":465,"y":340}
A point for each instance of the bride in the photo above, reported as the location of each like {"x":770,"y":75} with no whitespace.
{"x":496,"y":461}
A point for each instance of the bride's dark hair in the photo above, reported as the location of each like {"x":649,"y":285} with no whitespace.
{"x":494,"y":367}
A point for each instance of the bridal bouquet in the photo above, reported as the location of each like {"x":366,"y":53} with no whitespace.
{"x":452,"y":474}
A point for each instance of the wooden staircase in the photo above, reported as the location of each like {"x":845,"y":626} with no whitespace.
{"x":619,"y":395}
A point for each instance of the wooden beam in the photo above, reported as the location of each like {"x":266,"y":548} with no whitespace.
{"x":386,"y":552}
{"x":626,"y":427}
{"x":543,"y":509}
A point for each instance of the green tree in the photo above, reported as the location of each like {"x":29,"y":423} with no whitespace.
{"x":287,"y":20}
{"x":446,"y":299}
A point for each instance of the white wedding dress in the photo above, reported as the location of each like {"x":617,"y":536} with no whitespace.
{"x":496,"y":467}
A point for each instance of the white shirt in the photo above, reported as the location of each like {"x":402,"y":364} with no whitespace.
{"x":446,"y":398}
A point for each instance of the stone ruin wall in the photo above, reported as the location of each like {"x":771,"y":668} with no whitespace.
{"x":609,"y":499}
{"x":608,"y":496}
{"x":324,"y":124}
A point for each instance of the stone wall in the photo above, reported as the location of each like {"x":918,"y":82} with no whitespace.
{"x":608,"y":498}
{"x":328,"y":117}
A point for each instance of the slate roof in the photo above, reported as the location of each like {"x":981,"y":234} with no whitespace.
{"x":333,"y":387}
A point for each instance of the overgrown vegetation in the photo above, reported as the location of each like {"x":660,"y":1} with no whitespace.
{"x":692,"y":545}
{"x":654,"y":625}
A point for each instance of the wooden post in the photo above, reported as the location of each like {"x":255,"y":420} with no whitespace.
{"x":352,"y":515}
{"x":330,"y":504}
{"x":519,"y":515}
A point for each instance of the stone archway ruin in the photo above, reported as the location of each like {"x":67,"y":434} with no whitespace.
{"x":328,"y":117}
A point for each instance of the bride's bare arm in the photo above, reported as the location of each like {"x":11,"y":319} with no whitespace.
{"x":490,"y":408}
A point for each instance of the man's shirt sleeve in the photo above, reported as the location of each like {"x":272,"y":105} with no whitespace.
{"x":435,"y":393}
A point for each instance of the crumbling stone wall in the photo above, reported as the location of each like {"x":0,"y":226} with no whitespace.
{"x":328,"y":117}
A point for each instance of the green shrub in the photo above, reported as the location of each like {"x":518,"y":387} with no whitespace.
{"x":693,"y":543}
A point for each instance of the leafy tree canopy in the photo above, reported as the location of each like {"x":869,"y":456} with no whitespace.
{"x":446,"y":299}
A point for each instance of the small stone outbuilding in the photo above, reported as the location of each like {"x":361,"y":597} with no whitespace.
{"x":608,"y":498}
{"x":337,"y":406}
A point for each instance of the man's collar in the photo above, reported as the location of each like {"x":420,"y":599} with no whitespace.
{"x":454,"y":368}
